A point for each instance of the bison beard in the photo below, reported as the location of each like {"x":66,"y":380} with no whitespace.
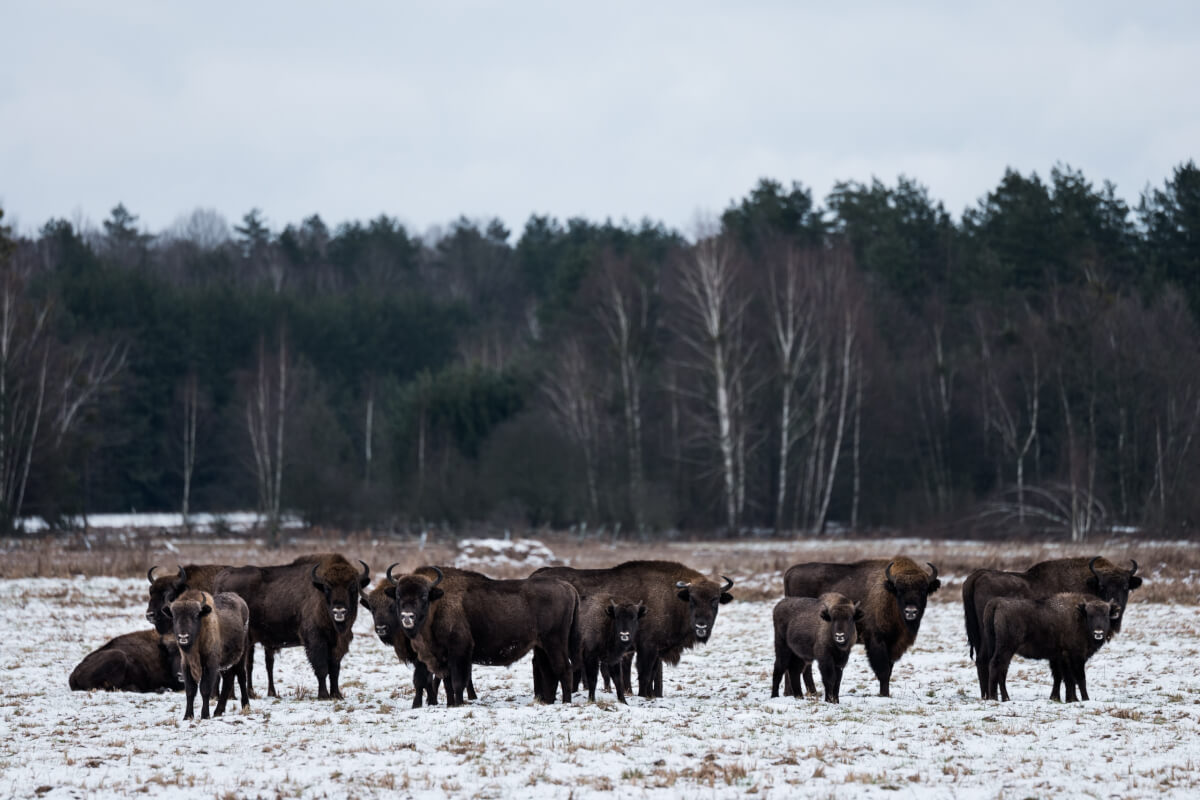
{"x":891,"y":593}
{"x":311,"y":602}
{"x":1094,"y":576}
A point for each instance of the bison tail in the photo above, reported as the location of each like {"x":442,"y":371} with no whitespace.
{"x":971,"y":614}
{"x":575,"y":638}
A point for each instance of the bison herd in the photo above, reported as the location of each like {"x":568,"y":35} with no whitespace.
{"x":582,"y":625}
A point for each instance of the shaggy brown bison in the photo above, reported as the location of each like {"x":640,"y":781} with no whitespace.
{"x":492,"y":622}
{"x":891,"y":593}
{"x":1095,"y":576}
{"x":381,"y":602}
{"x":165,"y":588}
{"x":607,"y":632}
{"x":1065,"y":629}
{"x":212,"y":632}
{"x":145,"y":661}
{"x":681,"y":609}
{"x":311,"y":602}
{"x":810,"y":629}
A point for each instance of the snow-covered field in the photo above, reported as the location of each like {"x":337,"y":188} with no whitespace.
{"x":717,"y":733}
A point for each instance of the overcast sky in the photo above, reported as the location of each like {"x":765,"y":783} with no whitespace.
{"x":666,"y":110}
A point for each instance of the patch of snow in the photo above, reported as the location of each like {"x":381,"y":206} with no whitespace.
{"x":484,"y":553}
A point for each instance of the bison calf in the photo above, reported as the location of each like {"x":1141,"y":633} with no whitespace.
{"x":608,"y":632}
{"x":1065,"y":629}
{"x":810,"y":629}
{"x":212,"y":633}
{"x":133,"y":662}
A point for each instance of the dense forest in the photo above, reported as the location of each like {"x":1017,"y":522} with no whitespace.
{"x":1031,"y":368}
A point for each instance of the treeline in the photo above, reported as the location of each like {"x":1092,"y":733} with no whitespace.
{"x":1032,"y":367}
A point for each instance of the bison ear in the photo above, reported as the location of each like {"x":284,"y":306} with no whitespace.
{"x":934,"y":585}
{"x":435,"y":594}
{"x":726,"y":597}
{"x":1134,"y":582}
{"x":1093,"y":586}
{"x":891,"y":587}
{"x":205,"y":610}
{"x":1114,"y":611}
{"x":641,"y":611}
{"x":825,"y":615}
{"x":365,"y":604}
{"x":684,"y":594}
{"x":1083,"y":609}
{"x":390,"y":592}
{"x":609,"y":609}
{"x":858,"y":612}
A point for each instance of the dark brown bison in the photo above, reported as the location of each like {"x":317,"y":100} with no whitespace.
{"x":381,"y":602}
{"x":1065,"y":629}
{"x":607,"y":633}
{"x":212,"y":632}
{"x":166,"y":587}
{"x":681,"y":608}
{"x":145,"y":661}
{"x":494,"y":622}
{"x":810,"y":629}
{"x":1095,"y":576}
{"x":310,"y":603}
{"x":891,"y":593}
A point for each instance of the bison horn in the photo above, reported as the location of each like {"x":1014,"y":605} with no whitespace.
{"x":314,"y":572}
{"x":1134,"y":570}
{"x":728,"y":584}
{"x":389,"y":573}
{"x":150,"y":574}
{"x":182,"y":579}
{"x":366,"y":570}
{"x":1092,"y":567}
{"x":932,"y":570}
{"x":439,"y":578}
{"x":887,"y":572}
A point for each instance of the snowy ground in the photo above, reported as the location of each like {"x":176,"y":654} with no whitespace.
{"x":717,"y":733}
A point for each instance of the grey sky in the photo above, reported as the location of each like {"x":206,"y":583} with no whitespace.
{"x":625,"y":110}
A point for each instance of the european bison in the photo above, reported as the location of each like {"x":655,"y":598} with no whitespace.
{"x":1095,"y":576}
{"x":212,"y":632}
{"x":490,"y":622}
{"x":891,"y":593}
{"x":681,"y":608}
{"x":165,"y":588}
{"x":1065,"y":629}
{"x":145,"y":661}
{"x":607,"y":632}
{"x":810,"y":629}
{"x":309,"y":603}
{"x":381,"y":602}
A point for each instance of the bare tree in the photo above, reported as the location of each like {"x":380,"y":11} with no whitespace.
{"x":266,"y":408}
{"x":191,"y":403}
{"x":712,"y":310}
{"x":571,"y":390}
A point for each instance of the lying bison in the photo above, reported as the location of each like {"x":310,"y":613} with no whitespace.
{"x":145,"y":661}
{"x":311,"y":602}
{"x":810,"y":629}
{"x":681,"y":609}
{"x":607,"y":632}
{"x":1065,"y":629}
{"x":891,"y":594}
{"x":213,"y":633}
{"x":165,"y":588}
{"x":1095,"y":576}
{"x":381,"y":602}
{"x":490,"y":622}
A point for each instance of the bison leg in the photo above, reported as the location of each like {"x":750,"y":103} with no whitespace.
{"x":998,"y":675}
{"x":208,"y":682}
{"x":226,"y":684}
{"x":606,"y":675}
{"x":783,"y":659}
{"x":591,"y":666}
{"x":269,"y":661}
{"x":808,"y":680}
{"x":189,"y":688}
{"x":241,"y":679}
{"x":423,"y":684}
{"x":981,"y":668}
{"x":796,"y":677}
{"x":1056,"y":672}
{"x":335,"y":670}
{"x":318,"y":658}
{"x":460,"y":671}
{"x":880,"y":658}
{"x":249,"y":659}
{"x":540,"y":676}
{"x":1079,"y":667}
{"x":831,"y":679}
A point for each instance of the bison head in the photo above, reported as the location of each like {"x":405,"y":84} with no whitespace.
{"x":381,"y":602}
{"x":186,"y":614}
{"x":340,"y":584}
{"x":414,"y":594}
{"x":625,"y":618}
{"x":1113,"y":584}
{"x":911,"y":587}
{"x":704,"y":598}
{"x":163,"y":591}
{"x":1098,"y":617}
{"x":841,"y":615}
